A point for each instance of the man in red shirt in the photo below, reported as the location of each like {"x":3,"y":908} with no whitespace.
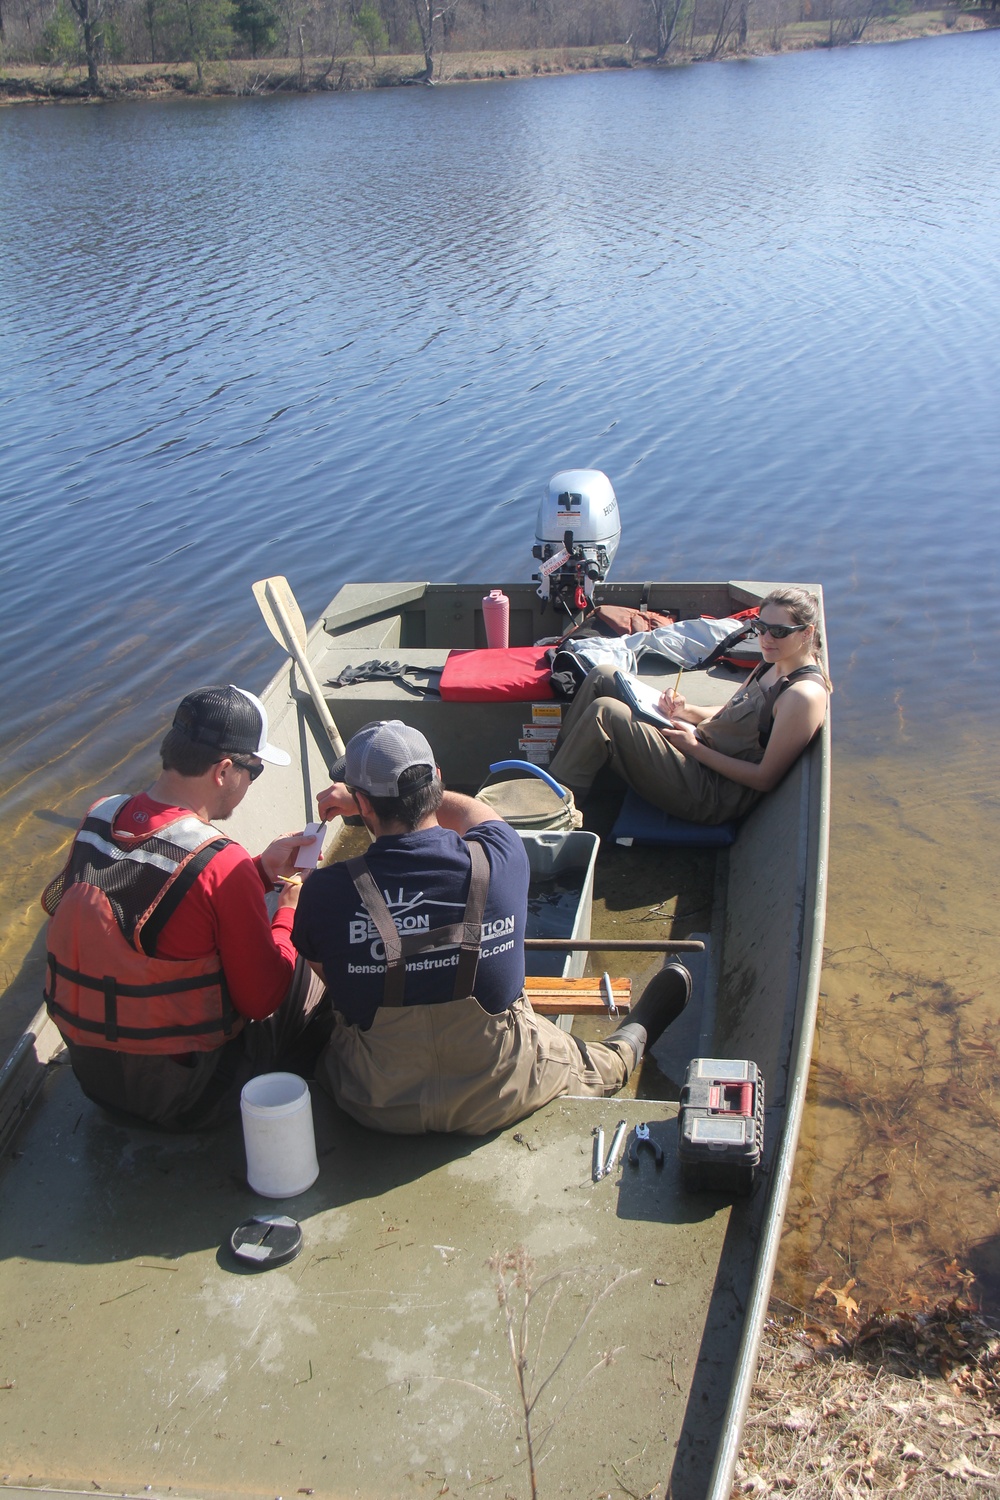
{"x":169,"y":981}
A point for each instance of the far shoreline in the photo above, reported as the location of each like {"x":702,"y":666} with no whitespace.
{"x":264,"y":77}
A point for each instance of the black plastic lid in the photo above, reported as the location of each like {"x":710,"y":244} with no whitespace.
{"x":266,"y":1240}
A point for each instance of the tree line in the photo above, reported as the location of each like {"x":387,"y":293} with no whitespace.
{"x":102,"y":33}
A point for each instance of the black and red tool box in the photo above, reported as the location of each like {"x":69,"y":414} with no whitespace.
{"x":720,"y":1128}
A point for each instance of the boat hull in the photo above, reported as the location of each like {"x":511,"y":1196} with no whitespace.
{"x":379,"y":1362}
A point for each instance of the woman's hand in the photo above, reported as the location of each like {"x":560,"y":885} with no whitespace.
{"x":336,"y":800}
{"x":674,"y":705}
{"x":683,"y":738}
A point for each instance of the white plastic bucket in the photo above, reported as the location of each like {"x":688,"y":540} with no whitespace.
{"x":278,"y":1135}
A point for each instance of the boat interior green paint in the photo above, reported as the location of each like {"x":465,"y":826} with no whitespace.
{"x":137,"y":1356}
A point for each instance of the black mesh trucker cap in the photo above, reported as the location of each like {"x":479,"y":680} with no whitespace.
{"x":230,"y":720}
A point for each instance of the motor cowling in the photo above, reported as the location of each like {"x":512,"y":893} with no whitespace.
{"x":576,"y":537}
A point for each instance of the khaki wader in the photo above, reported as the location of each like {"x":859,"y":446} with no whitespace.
{"x":600,"y":730}
{"x":453,"y":1066}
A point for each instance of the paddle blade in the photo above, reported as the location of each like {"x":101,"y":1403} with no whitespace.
{"x":275,"y":599}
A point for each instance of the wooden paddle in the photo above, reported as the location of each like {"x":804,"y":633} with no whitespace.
{"x":283,"y":619}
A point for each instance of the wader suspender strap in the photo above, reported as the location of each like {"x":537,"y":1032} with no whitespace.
{"x":772,"y":694}
{"x":472,"y":921}
{"x":467,"y":934}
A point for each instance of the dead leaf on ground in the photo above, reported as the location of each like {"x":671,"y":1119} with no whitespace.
{"x":961,"y":1468}
{"x":845,"y":1303}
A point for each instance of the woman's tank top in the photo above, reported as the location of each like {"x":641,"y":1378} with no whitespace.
{"x":742,"y":727}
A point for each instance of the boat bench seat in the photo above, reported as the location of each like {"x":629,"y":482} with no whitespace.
{"x":455,"y":730}
{"x":575,"y":997}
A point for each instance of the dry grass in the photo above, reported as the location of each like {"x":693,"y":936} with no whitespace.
{"x":903,"y":1404}
{"x":23,"y":83}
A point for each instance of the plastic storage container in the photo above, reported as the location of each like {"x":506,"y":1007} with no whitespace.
{"x":278,"y":1135}
{"x":561,"y":897}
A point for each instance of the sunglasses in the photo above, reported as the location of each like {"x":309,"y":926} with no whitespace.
{"x":777,"y":632}
{"x":253,"y":768}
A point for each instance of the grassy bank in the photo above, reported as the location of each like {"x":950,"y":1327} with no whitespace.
{"x":901,"y":1403}
{"x":21,"y":84}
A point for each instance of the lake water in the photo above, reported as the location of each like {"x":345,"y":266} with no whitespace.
{"x":351,"y":336}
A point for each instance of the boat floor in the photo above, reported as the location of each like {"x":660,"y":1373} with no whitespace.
{"x":136,"y":1355}
{"x":377,"y":1364}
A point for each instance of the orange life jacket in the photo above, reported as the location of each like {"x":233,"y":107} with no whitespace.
{"x":108,"y":908}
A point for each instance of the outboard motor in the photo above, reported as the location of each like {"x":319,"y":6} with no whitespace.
{"x":576,"y":537}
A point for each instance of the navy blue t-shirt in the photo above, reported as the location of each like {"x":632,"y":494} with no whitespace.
{"x":424,"y":878}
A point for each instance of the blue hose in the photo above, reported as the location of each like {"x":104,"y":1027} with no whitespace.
{"x":525,"y":765}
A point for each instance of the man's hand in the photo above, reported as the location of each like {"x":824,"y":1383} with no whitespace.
{"x":336,"y":799}
{"x":278,"y":859}
{"x":290,"y":891}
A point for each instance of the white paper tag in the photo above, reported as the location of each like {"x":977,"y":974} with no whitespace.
{"x":307,"y":857}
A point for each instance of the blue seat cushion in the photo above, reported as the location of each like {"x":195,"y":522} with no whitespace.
{"x":640,"y":823}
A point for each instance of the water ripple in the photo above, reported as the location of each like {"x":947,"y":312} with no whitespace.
{"x":351,"y":336}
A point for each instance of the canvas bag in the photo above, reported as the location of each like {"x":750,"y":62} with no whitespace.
{"x":536,"y":805}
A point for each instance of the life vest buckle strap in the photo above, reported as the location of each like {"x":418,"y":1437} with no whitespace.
{"x":49,"y":992}
{"x":110,"y":988}
{"x":135,"y":991}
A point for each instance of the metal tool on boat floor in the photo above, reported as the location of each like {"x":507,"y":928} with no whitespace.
{"x":607,"y":991}
{"x":615,"y":1148}
{"x":597,"y":1169}
{"x":642,"y":1138}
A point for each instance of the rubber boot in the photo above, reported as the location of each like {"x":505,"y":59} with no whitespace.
{"x":661,"y":1002}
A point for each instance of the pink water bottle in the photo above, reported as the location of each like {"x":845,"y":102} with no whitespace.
{"x":496,"y":618}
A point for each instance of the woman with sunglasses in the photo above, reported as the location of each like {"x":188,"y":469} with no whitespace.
{"x":715,"y":763}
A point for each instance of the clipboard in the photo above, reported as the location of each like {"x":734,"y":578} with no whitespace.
{"x":642,"y":700}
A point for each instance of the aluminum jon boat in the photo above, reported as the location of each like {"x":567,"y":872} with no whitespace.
{"x":472,"y":1318}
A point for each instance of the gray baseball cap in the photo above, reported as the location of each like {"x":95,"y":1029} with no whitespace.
{"x":379,"y":754}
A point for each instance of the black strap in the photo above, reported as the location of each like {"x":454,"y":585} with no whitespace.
{"x":765,"y":721}
{"x":150,"y":927}
{"x":131,"y":1033}
{"x":110,"y":1027}
{"x":110,"y":1008}
{"x":724,"y":647}
{"x":465,"y":935}
{"x":132,"y":991}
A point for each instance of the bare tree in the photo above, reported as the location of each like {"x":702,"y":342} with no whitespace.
{"x":849,"y":19}
{"x":90,"y":14}
{"x":666,"y":16}
{"x":431,"y":16}
{"x":727,"y":20}
{"x":339,"y":28}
